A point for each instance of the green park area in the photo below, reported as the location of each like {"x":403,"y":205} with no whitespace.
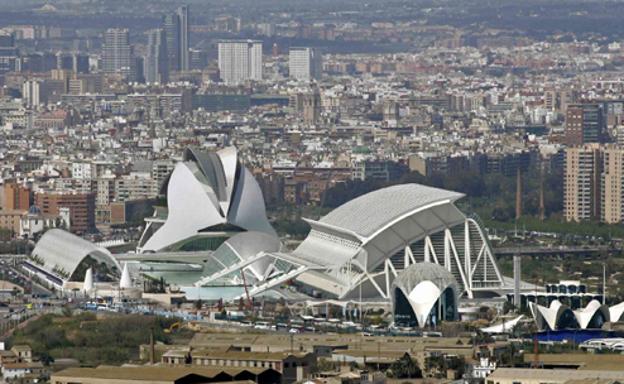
{"x":90,"y":338}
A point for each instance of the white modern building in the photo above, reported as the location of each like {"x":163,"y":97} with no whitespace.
{"x":60,"y":258}
{"x":304,"y":63}
{"x":214,"y":231}
{"x":210,"y":196}
{"x":558,"y":316}
{"x":424,"y":295}
{"x":356,"y":251}
{"x":240,"y":61}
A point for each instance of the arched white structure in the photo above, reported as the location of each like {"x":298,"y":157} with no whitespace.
{"x":616,"y":312}
{"x":559,"y":316}
{"x":417,"y":290}
{"x":205,"y":191}
{"x":367,"y":242}
{"x":58,"y":254}
{"x":241,"y":253}
{"x":594,"y":308}
{"x":358,"y":249}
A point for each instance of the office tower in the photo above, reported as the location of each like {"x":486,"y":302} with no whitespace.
{"x":32,"y":93}
{"x":16,"y":197}
{"x":136,"y":69}
{"x":74,"y":62}
{"x":240,"y":60}
{"x":176,"y":26}
{"x":64,"y":61}
{"x":198,"y":59}
{"x":581,"y":184}
{"x":183,"y":17}
{"x":9,"y":54}
{"x":80,"y":63}
{"x":612,"y":197}
{"x":116,"y":52}
{"x":171,"y":24}
{"x":81,"y":207}
{"x":228,"y":23}
{"x":304,"y":63}
{"x":585,"y":123}
{"x":156,"y":69}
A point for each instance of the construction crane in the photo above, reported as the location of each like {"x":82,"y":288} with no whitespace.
{"x":173,"y":327}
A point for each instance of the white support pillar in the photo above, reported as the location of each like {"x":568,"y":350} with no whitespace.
{"x":467,"y":253}
{"x":377,"y":287}
{"x":387,"y":276}
{"x":427,"y":251}
{"x":447,"y":249}
{"x":459,"y":267}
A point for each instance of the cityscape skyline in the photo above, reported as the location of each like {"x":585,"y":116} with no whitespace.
{"x":326,"y":192}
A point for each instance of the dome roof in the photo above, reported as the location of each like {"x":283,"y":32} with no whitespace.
{"x":420,"y":272}
{"x":422,"y":284}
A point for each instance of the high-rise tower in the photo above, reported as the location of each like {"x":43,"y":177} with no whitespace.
{"x":116,"y":51}
{"x":304,"y":63}
{"x":176,"y":26}
{"x":183,"y":18}
{"x":240,"y":60}
{"x":156,"y":68}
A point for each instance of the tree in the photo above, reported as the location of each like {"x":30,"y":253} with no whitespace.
{"x":405,"y":368}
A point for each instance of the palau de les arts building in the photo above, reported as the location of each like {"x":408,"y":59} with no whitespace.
{"x":406,"y":244}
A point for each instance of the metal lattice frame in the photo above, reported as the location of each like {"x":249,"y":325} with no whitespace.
{"x":463,"y":250}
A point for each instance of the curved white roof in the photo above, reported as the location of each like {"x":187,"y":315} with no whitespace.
{"x":369,"y":213}
{"x":585,"y":315}
{"x":64,"y":251}
{"x":247,"y":245}
{"x":550,"y":316}
{"x":208,"y":189}
{"x":422,"y":284}
{"x":374,"y":226}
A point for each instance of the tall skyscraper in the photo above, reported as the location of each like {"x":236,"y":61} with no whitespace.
{"x":156,"y":69}
{"x":183,"y":17}
{"x":116,"y":52}
{"x":582,"y":184}
{"x":240,"y":60}
{"x":612,"y":196}
{"x":32,"y":93}
{"x":585,"y":123}
{"x":176,"y":26}
{"x":9,"y":54}
{"x":171,"y":25}
{"x":304,"y":63}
